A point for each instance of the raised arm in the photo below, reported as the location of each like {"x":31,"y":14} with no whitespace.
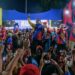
{"x":13,"y":63}
{"x":31,"y":24}
{"x":58,"y":67}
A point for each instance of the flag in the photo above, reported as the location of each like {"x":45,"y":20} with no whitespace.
{"x":67,"y":16}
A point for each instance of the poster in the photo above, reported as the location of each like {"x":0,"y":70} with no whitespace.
{"x":56,"y":23}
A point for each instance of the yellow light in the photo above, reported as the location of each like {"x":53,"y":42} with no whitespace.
{"x":0,"y":16}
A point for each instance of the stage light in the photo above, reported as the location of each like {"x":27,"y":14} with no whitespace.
{"x":67,"y":12}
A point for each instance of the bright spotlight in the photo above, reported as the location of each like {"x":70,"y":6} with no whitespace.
{"x":67,"y":12}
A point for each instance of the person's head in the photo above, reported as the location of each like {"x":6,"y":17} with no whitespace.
{"x":49,"y":69}
{"x":45,"y":29}
{"x":61,"y":56}
{"x":29,"y":69}
{"x":10,"y":34}
{"x":19,"y":34}
{"x":28,"y":52}
{"x":61,"y":59}
{"x":38,"y":21}
{"x":3,"y":27}
{"x":49,"y":54}
{"x":39,"y":50}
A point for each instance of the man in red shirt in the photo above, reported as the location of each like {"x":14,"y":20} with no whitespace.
{"x":37,"y":34}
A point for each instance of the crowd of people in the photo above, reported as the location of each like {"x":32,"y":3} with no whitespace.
{"x":38,"y":51}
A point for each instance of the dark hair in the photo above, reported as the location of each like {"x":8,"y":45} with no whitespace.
{"x":49,"y":69}
{"x":46,"y":57}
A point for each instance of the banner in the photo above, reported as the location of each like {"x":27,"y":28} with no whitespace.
{"x":53,"y":14}
{"x":56,"y":23}
{"x":67,"y":14}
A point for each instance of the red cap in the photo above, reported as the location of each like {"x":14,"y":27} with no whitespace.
{"x":29,"y":69}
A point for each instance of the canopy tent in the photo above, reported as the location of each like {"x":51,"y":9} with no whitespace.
{"x":53,"y":14}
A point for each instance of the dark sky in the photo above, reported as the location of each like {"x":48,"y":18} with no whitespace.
{"x":33,"y":5}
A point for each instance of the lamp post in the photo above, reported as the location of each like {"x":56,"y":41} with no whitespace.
{"x":26,"y":6}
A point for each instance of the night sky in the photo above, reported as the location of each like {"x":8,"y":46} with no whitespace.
{"x":33,"y":6}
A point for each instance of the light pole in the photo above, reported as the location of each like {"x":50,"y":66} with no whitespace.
{"x":26,"y":6}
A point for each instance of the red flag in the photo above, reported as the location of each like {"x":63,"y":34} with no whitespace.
{"x":67,"y":16}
